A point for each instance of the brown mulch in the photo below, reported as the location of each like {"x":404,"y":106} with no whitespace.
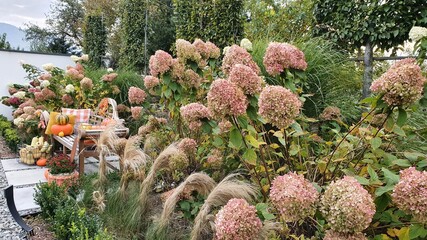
{"x":5,"y":152}
{"x":40,"y":228}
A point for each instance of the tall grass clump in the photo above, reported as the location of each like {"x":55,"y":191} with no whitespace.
{"x":230,"y":187}
{"x":332,"y":79}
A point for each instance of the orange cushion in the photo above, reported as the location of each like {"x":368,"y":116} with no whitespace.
{"x":52,"y":121}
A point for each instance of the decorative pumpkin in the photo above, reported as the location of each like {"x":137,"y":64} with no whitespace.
{"x":64,"y":129}
{"x":41,"y":162}
{"x":62,"y":119}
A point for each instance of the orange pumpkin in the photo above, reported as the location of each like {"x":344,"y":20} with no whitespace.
{"x":41,"y":162}
{"x":65,"y":129}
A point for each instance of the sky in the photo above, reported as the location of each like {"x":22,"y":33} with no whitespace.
{"x":19,"y":12}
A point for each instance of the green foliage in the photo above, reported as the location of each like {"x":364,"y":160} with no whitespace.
{"x":220,"y":21}
{"x":4,"y":44}
{"x":72,"y":222}
{"x":190,"y":208}
{"x":9,"y":133}
{"x":279,"y":20}
{"x":352,"y":24}
{"x":49,"y":197}
{"x":95,"y":39}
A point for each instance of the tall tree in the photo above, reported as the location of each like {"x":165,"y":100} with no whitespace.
{"x":219,"y":21}
{"x":4,"y":44}
{"x":369,"y":23}
{"x":95,"y":39}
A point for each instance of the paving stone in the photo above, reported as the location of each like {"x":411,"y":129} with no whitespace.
{"x":25,"y":177}
{"x":14,"y":164}
{"x":24,"y":199}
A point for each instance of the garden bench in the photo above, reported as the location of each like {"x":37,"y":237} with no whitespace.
{"x":81,"y":143}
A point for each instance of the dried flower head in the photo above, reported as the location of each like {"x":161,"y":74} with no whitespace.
{"x":188,"y":146}
{"x":281,"y":56}
{"x":187,"y":51}
{"x":215,"y":159}
{"x":294,"y":197}
{"x":330,"y":113}
{"x":332,"y":235}
{"x":347,"y":206}
{"x":402,"y":84}
{"x":224,"y":126}
{"x":416,"y":33}
{"x":29,"y":110}
{"x":193,"y":114}
{"x":151,"y":82}
{"x":410,"y":194}
{"x":191,"y":79}
{"x":48,"y":94}
{"x":67,"y":99}
{"x":235,"y":55}
{"x":160,"y":63}
{"x":244,"y":77}
{"x":213,"y":51}
{"x":178,"y":161}
{"x":279,"y":106}
{"x":178,"y":69}
{"x":136,"y":95}
{"x":226,"y":99}
{"x":121,"y":108}
{"x":109,"y":77}
{"x":136,"y":112}
{"x":237,"y":220}
{"x":86,"y":84}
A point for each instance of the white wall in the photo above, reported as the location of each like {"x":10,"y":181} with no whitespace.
{"x":12,"y":72}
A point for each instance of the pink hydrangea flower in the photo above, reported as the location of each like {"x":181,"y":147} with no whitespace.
{"x":122,"y":108}
{"x":187,"y":51}
{"x":178,"y":70}
{"x":410,"y":194}
{"x":279,"y":106}
{"x":67,"y":99}
{"x":136,"y":112}
{"x":207,"y":50}
{"x":237,"y":220}
{"x":402,"y":84}
{"x":188,"y":146}
{"x":347,"y":206}
{"x":193,"y":114}
{"x":151,"y":82}
{"x":236,"y":55}
{"x":330,"y":113}
{"x":294,"y":197}
{"x":160,"y":63}
{"x":281,"y":56}
{"x":191,"y":79}
{"x":109,"y":77}
{"x":136,"y":95}
{"x":86,"y":84}
{"x":224,"y":126}
{"x":215,"y":159}
{"x":244,"y":77}
{"x":225,"y":98}
{"x":48,"y":94}
{"x":332,"y":235}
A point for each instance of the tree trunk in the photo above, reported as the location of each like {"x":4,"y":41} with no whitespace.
{"x":367,"y":76}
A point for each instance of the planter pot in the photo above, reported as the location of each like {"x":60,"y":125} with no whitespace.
{"x":67,"y":178}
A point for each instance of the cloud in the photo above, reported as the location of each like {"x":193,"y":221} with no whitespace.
{"x":19,"y":12}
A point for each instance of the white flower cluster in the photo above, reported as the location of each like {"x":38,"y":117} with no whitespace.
{"x":417,"y":33}
{"x":48,"y":67}
{"x":18,"y":121}
{"x":84,"y":58}
{"x":19,"y":94}
{"x":246,"y":44}
{"x":69,"y":88}
{"x":44,"y":83}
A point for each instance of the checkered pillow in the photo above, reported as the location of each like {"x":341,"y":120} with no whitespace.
{"x":82,"y":115}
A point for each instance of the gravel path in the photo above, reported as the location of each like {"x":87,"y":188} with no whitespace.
{"x":9,"y":229}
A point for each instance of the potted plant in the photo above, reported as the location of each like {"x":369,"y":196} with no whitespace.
{"x":61,"y":169}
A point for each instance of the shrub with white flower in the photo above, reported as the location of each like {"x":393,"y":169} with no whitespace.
{"x":294,"y":197}
{"x":347,"y":206}
{"x":19,"y":94}
{"x":416,"y":33}
{"x":18,"y":121}
{"x":75,"y":58}
{"x":237,"y":220}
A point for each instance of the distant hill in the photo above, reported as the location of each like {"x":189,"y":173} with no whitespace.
{"x":15,"y":36}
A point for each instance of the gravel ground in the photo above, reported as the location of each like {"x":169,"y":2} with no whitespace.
{"x":9,"y":229}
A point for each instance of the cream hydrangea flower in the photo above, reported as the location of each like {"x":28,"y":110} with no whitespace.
{"x":19,"y":94}
{"x":74,"y":58}
{"x":84,"y":57}
{"x":44,"y":83}
{"x":69,"y":88}
{"x":110,"y":70}
{"x":417,"y":33}
{"x":48,"y":67}
{"x":246,"y":44}
{"x":225,"y":50}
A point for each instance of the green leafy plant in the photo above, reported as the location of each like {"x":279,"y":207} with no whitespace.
{"x":49,"y":197}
